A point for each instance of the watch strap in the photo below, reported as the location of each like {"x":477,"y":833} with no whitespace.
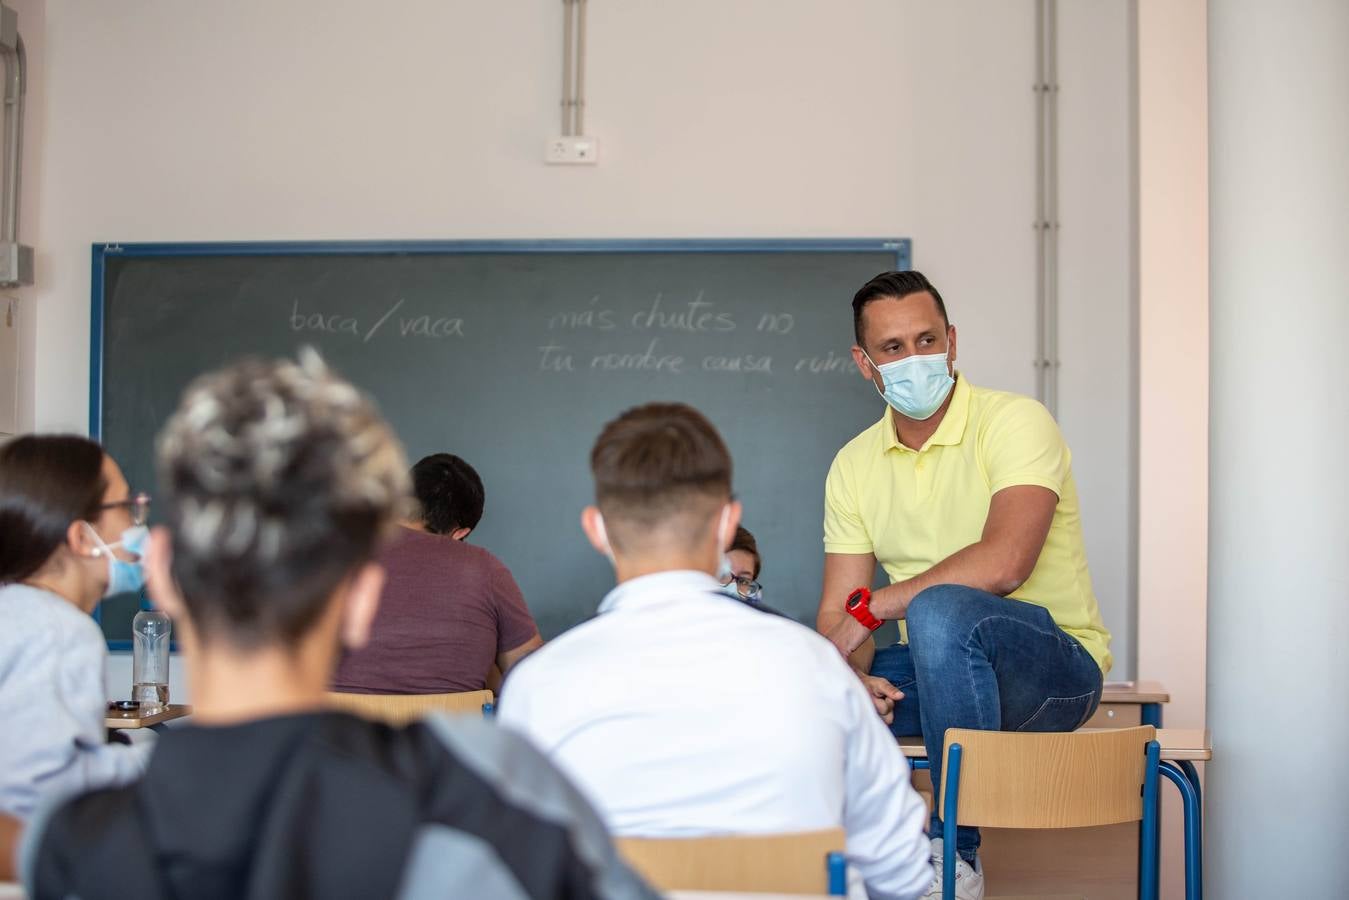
{"x":858,"y":606}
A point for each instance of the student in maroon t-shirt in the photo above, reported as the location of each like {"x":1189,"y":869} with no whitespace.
{"x":450,"y":611}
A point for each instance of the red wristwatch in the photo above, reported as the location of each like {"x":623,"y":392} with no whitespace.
{"x":858,"y":606}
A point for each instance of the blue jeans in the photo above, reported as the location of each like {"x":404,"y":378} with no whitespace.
{"x":977,"y":660}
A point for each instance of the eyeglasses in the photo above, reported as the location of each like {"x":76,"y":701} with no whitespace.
{"x":137,"y":504}
{"x":745,"y":586}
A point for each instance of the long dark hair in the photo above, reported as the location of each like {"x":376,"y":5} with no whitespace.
{"x":46,"y":482}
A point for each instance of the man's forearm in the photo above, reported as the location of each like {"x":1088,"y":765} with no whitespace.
{"x":860,"y":658}
{"x":978,"y":566}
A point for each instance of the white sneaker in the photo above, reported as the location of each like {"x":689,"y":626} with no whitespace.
{"x":969,"y":879}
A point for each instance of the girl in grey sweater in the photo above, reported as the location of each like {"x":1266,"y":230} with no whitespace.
{"x":69,"y":532}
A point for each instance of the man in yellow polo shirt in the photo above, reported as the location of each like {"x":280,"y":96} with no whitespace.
{"x":966,"y":498}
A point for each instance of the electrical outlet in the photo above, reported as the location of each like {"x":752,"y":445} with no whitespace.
{"x":571,"y":150}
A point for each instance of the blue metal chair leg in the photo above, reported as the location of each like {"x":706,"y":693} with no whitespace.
{"x":1191,"y":773}
{"x":950,"y":808}
{"x":1194,"y":860}
{"x":1149,"y":827}
{"x":836,"y":866}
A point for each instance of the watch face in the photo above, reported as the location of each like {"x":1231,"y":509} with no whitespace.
{"x":855,"y":600}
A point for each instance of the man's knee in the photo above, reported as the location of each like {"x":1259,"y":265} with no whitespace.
{"x":939,"y":612}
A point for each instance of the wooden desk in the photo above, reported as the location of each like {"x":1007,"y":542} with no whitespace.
{"x":1125,"y":704}
{"x":132,"y":718}
{"x":1185,"y":744}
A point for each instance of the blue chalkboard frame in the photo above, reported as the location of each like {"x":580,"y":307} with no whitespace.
{"x":102,"y":251}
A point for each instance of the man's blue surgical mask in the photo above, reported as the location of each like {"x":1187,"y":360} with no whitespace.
{"x":124,"y":576}
{"x":916,"y":386}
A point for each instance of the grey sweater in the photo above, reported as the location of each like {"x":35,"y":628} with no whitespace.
{"x":52,"y":736}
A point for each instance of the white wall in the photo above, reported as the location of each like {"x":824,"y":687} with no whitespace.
{"x":1097,"y":344}
{"x":308,"y":119}
{"x":1278,"y":786}
{"x":1173,"y":323}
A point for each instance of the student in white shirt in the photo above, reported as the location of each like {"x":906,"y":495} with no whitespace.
{"x":680,"y":711}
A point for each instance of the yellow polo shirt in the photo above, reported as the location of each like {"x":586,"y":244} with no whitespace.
{"x":914,"y":508}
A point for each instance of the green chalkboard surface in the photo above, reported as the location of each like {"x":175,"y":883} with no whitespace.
{"x":513,"y":355}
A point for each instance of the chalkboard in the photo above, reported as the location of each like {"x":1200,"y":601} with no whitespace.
{"x":513,"y":355}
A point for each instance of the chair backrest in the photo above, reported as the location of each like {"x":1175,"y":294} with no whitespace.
{"x":399,"y":709}
{"x":1049,"y":780}
{"x":773,"y":863}
{"x":10,"y":829}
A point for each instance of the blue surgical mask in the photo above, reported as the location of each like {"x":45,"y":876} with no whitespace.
{"x":915,"y":386}
{"x":124,"y":576}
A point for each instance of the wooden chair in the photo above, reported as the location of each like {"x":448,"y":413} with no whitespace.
{"x":11,"y":830}
{"x":809,"y":862}
{"x":399,"y":709}
{"x":1004,"y":779}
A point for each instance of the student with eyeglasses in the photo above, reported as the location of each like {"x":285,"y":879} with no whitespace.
{"x":268,"y":793}
{"x":72,"y":533}
{"x":734,"y":722}
{"x":739,"y":576}
{"x":741,"y":579}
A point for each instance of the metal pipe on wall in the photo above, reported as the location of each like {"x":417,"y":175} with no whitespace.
{"x":579,"y":101}
{"x":1040,"y":213}
{"x":567,"y":6}
{"x":16,"y":260}
{"x":1047,"y":204}
{"x":16,"y":85}
{"x":1052,"y":207}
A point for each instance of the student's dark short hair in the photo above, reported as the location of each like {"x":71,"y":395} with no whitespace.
{"x":279,"y":480}
{"x":449,"y":491}
{"x":659,"y":466}
{"x":46,"y":482}
{"x":896,"y":285}
{"x":745,"y":541}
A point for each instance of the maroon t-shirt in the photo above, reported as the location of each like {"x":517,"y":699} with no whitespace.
{"x":448,"y":609}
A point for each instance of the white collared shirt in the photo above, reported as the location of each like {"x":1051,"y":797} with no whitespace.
{"x":679,"y":711}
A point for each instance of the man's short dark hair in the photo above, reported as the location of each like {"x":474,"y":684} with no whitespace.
{"x":449,"y":491}
{"x":280,"y":480}
{"x":745,"y":541}
{"x":659,"y":467}
{"x":896,"y":285}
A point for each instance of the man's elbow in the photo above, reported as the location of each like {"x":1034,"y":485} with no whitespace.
{"x":1011,"y":574}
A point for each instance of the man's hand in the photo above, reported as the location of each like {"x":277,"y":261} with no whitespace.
{"x":883,"y":694}
{"x":847,"y":634}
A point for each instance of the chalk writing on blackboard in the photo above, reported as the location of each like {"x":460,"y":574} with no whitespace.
{"x":591,"y":317}
{"x":337,"y":323}
{"x":695,"y":316}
